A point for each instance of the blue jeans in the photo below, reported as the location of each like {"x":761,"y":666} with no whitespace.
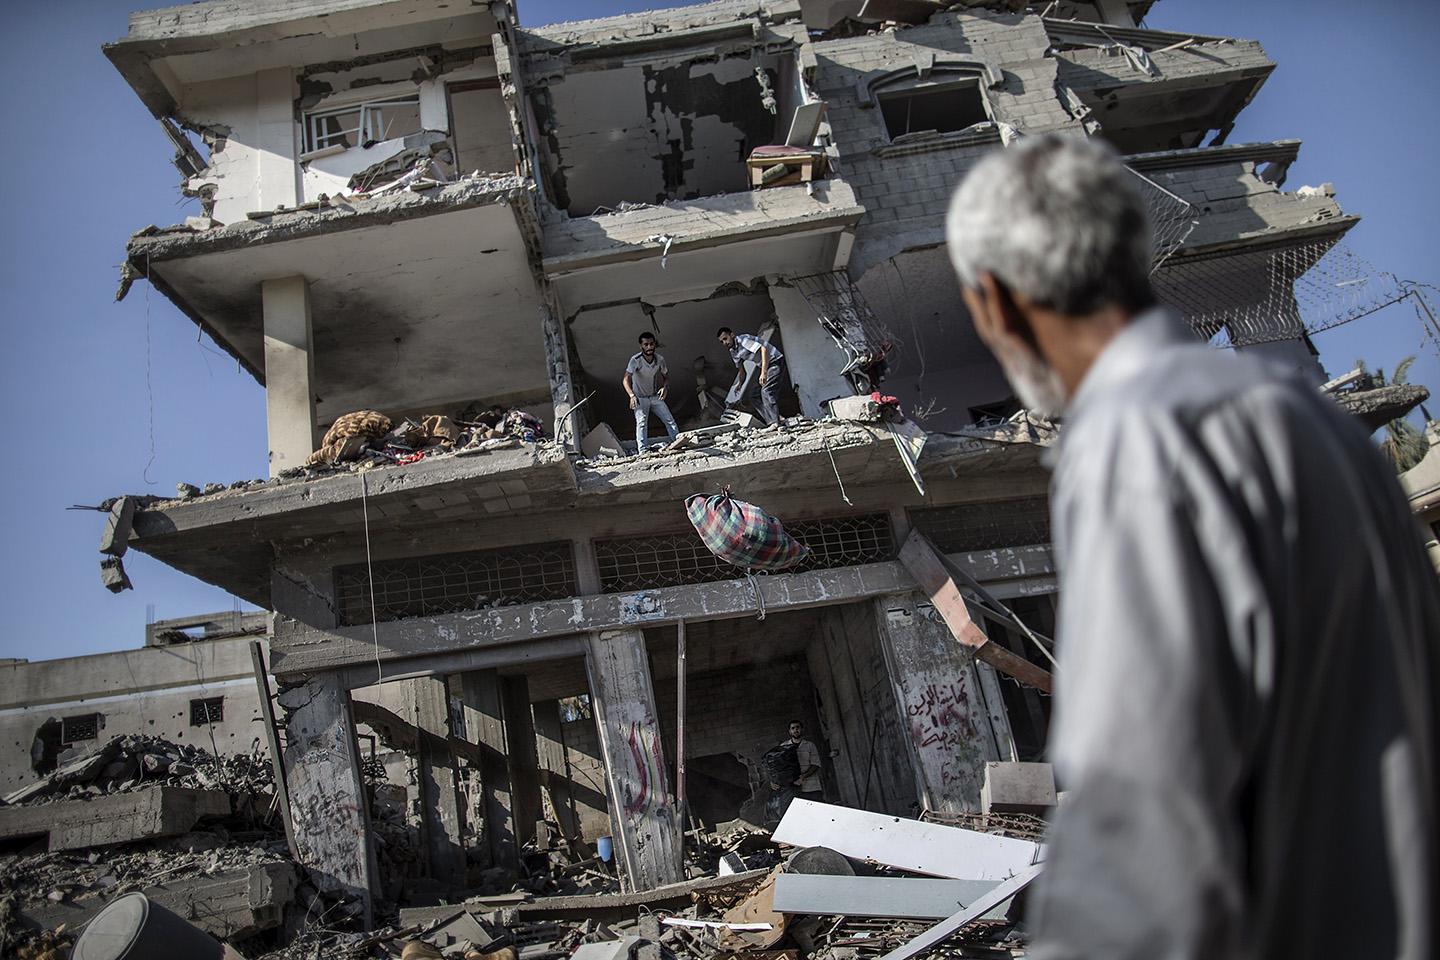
{"x":644,"y":406}
{"x":770,"y":392}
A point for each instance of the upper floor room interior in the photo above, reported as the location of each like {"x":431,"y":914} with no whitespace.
{"x":554,"y":130}
{"x":278,"y":104}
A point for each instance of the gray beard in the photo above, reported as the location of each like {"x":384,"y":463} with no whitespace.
{"x":1034,"y":381}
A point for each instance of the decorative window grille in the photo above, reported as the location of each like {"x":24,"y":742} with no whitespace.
{"x":454,"y":582}
{"x":362,"y":123}
{"x":86,"y":727}
{"x":985,"y":526}
{"x":206,"y":711}
{"x":676,"y":559}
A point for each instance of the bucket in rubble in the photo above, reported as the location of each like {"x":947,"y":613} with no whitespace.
{"x":136,"y":928}
{"x":604,"y":848}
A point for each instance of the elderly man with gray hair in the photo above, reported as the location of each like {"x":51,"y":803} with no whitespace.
{"x":1245,"y":714}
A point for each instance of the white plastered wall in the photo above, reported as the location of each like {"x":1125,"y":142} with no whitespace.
{"x":255,"y":168}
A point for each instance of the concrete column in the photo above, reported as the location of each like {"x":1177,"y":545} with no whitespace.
{"x":289,"y":372}
{"x":520,"y":750}
{"x":562,"y":390}
{"x":440,"y":818}
{"x":485,"y":726}
{"x":642,"y":810}
{"x":942,"y":707}
{"x":277,"y":174}
{"x":554,"y":767}
{"x":328,"y":806}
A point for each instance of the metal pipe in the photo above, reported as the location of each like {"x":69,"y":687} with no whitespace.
{"x":680,"y":801}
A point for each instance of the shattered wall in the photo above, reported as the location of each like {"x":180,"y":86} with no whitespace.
{"x":905,"y":185}
{"x":674,"y":128}
{"x":248,"y":121}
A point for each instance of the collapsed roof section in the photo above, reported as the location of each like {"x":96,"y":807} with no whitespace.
{"x":1156,"y":89}
{"x":169,"y":52}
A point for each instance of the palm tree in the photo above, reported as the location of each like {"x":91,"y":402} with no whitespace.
{"x":1404,"y":445}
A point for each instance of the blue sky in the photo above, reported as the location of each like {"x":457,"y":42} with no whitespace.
{"x":111,"y":398}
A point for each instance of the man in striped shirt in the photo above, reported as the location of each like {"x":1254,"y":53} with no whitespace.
{"x":746,"y":347}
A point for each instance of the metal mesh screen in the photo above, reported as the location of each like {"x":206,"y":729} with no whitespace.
{"x":846,"y":315}
{"x":676,"y":559}
{"x":449,"y":583}
{"x":206,"y":711}
{"x":1284,"y":293}
{"x":86,"y":727}
{"x":985,"y":526}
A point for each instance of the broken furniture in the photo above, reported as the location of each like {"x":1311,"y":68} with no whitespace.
{"x":782,"y":166}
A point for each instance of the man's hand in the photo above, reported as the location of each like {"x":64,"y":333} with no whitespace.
{"x":634,"y":403}
{"x":661,"y":394}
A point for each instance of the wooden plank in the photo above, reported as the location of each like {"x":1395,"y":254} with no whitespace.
{"x":642,"y":811}
{"x":272,"y":740}
{"x":933,"y":849}
{"x":890,"y":898}
{"x":843,"y":757}
{"x":303,"y":650}
{"x":947,"y":928}
{"x":322,"y":767}
{"x":441,"y":823}
{"x":928,"y":569}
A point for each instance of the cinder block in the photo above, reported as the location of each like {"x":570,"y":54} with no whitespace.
{"x":1017,"y":788}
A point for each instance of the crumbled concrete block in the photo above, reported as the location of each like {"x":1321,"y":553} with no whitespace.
{"x":159,"y":811}
{"x":112,"y":575}
{"x":855,"y":408}
{"x":1017,"y":788}
{"x":116,"y":539}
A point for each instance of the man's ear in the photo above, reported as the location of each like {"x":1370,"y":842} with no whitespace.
{"x":1005,"y":314}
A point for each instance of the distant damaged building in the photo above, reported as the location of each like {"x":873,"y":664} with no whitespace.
{"x":434,"y":235}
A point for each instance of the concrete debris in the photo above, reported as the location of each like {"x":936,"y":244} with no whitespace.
{"x":128,"y":763}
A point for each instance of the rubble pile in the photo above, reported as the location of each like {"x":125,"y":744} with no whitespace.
{"x":125,"y":763}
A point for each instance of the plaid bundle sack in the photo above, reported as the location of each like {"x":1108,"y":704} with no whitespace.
{"x":743,"y":534}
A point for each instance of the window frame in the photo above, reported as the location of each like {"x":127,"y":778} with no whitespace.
{"x":955,"y":81}
{"x":370,"y":113}
{"x":92,"y":718}
{"x":213,"y":707}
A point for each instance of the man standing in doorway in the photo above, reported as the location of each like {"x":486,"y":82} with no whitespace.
{"x":645,"y":382}
{"x":1246,"y":702}
{"x":745,"y":347}
{"x":807,"y":757}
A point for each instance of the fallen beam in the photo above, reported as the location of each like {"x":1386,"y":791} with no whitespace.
{"x":600,"y":906}
{"x":305,"y":650}
{"x":970,"y":914}
{"x":928,"y":567}
{"x":143,"y":814}
{"x":929,"y":848}
{"x":229,"y":905}
{"x":890,"y":898}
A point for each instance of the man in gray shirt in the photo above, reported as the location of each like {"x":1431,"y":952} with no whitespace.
{"x":645,"y":381}
{"x":1245,"y":717}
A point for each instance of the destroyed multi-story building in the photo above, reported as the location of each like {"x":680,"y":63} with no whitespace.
{"x":425,"y":208}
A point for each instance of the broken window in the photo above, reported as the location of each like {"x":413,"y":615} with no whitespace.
{"x":936,"y":108}
{"x":206,"y":711}
{"x":84,"y":727}
{"x":361,"y":124}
